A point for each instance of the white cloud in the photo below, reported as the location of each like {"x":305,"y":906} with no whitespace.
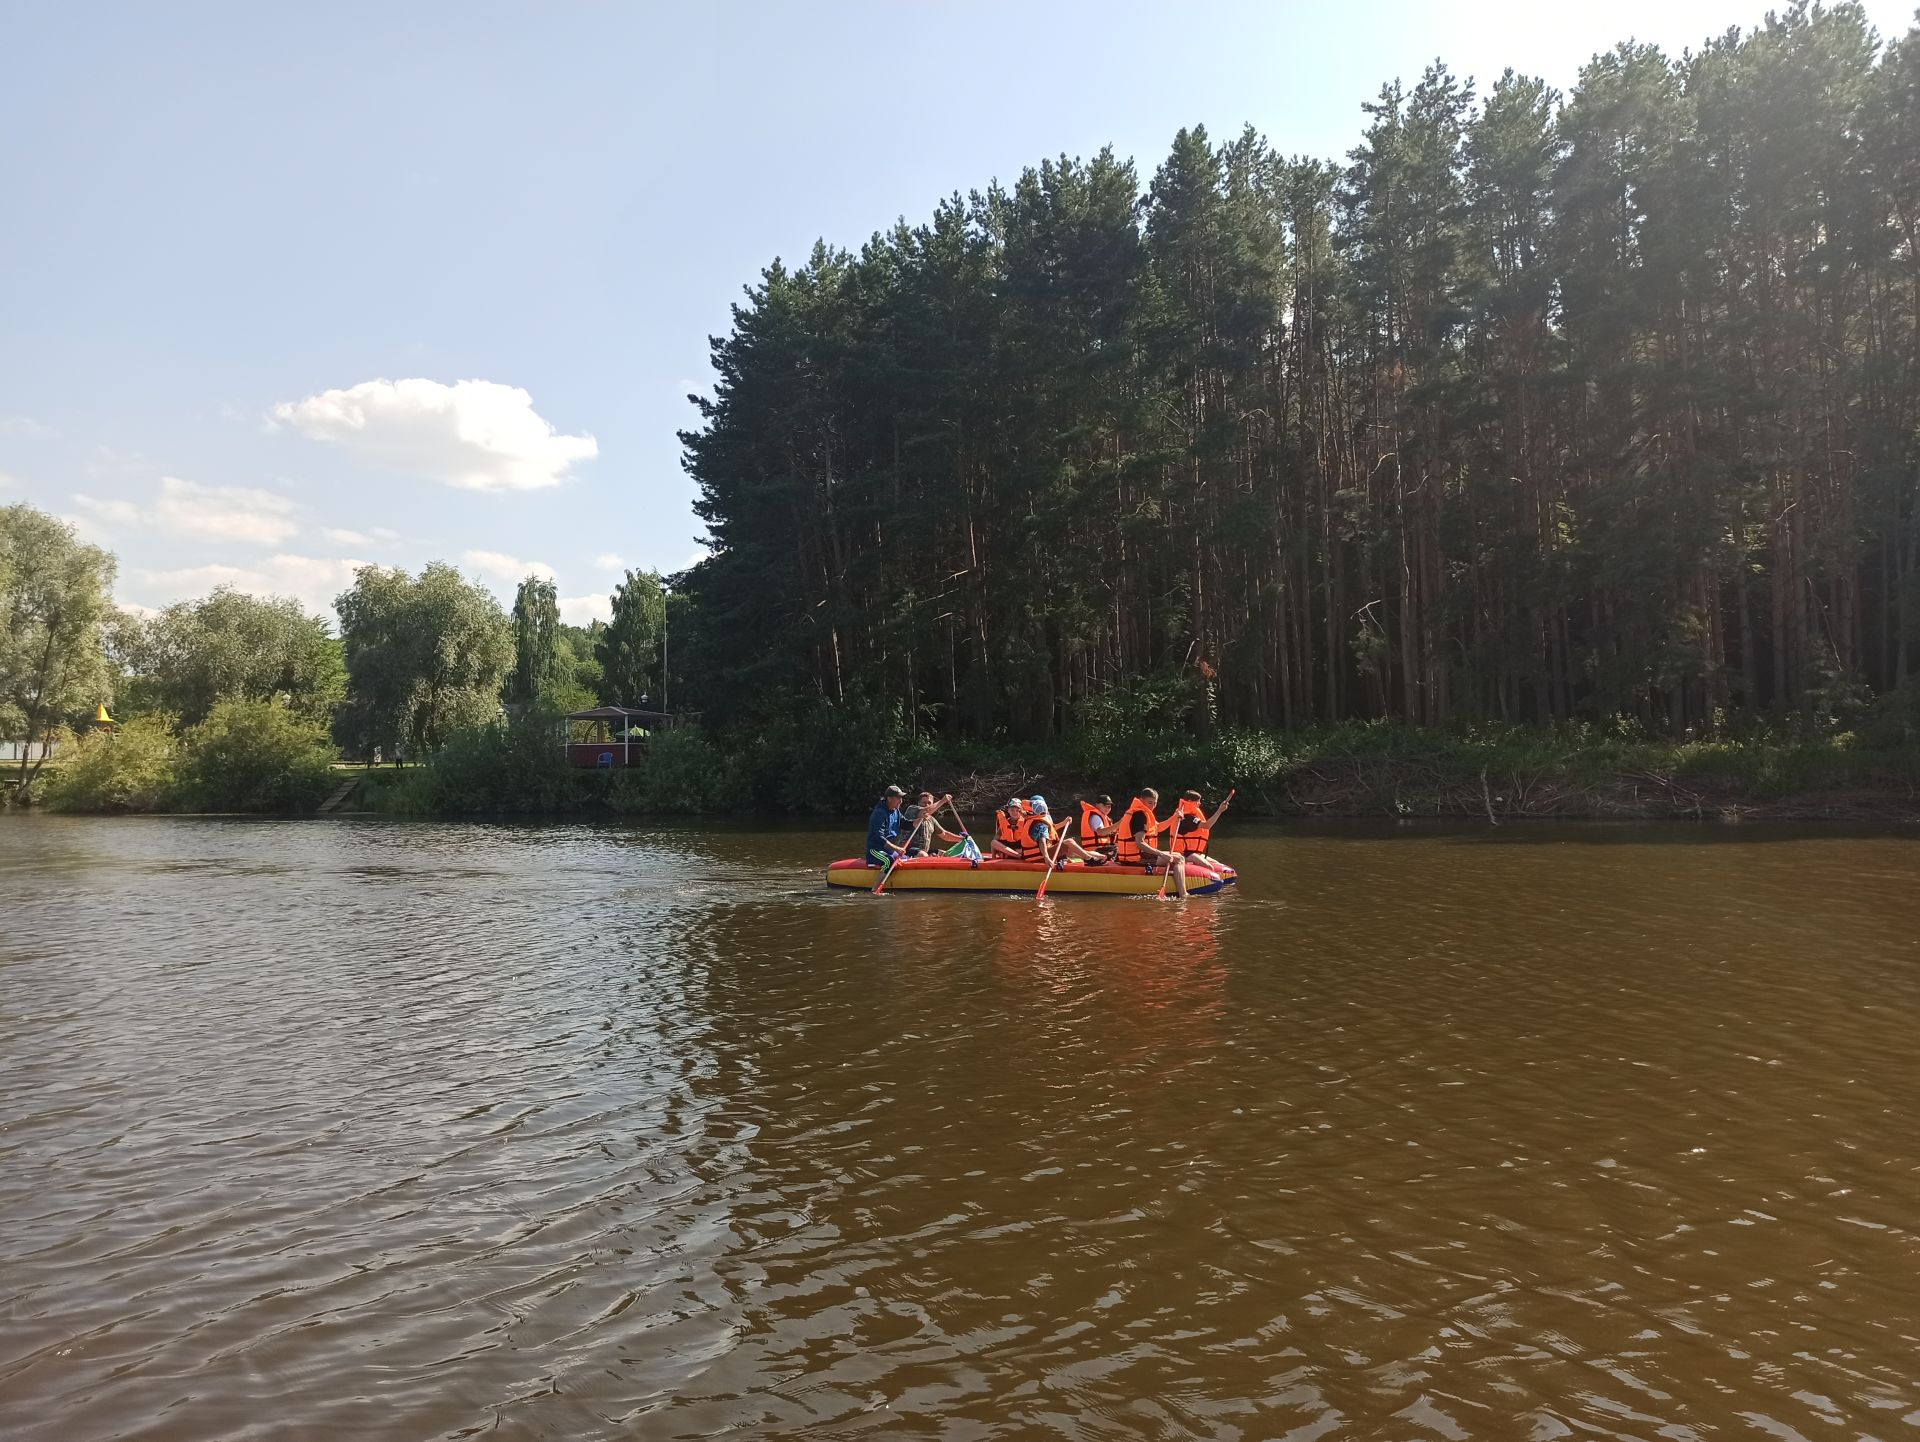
{"x":224,"y":513}
{"x":205,"y":513}
{"x":312,"y":580}
{"x":579,"y":610}
{"x":138,"y":611}
{"x":499,"y":566}
{"x":474,"y":435}
{"x":26,"y":426}
{"x":109,"y":514}
{"x":610,"y":562}
{"x":342,"y":537}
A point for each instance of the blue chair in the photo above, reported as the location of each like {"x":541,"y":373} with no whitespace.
{"x":605,"y":759}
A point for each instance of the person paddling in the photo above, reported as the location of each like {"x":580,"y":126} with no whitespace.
{"x":1096,"y":826}
{"x":924,"y":830}
{"x":1192,"y":828}
{"x":1037,"y":840}
{"x":883,"y":829}
{"x":1133,"y":839}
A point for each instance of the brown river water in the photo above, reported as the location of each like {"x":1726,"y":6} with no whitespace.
{"x":364,"y":1129}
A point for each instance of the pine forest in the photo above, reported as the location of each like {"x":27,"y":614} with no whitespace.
{"x":1536,"y":407}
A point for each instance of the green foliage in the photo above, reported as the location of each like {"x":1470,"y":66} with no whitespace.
{"x":1893,"y":720}
{"x":582,"y":679}
{"x":541,"y":659}
{"x":231,"y":647}
{"x":830,"y":761}
{"x":684,"y":774}
{"x":628,"y":649}
{"x":426,"y":656}
{"x":131,"y":769}
{"x":54,"y":602}
{"x":496,"y":768}
{"x":254,"y":756}
{"x":1534,"y":410}
{"x":827,"y":760}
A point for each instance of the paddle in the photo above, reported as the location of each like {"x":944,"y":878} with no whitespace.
{"x":1231,"y":793}
{"x":887,"y":875}
{"x":1221,"y":809}
{"x":954,"y":807}
{"x":1059,"y":845}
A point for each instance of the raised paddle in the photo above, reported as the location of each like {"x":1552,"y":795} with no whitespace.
{"x":954,"y":807}
{"x":1231,"y":793}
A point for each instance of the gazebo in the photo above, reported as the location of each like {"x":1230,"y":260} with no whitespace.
{"x":618,"y":735}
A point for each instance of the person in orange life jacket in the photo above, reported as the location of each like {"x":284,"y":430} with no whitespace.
{"x":1133,"y":839}
{"x":1096,"y":825}
{"x":923,"y":830}
{"x":1192,"y":828}
{"x":1037,"y":841}
{"x":1007,"y":822}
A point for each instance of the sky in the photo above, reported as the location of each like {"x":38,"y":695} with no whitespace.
{"x":291,"y":289}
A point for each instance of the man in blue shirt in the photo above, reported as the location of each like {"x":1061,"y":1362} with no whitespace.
{"x":883,"y":829}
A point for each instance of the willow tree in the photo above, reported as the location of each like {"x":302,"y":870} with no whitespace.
{"x":229,"y":646}
{"x":54,"y":600}
{"x":541,"y":663}
{"x":425,"y":656}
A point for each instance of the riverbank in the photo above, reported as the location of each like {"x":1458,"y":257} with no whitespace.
{"x":1364,"y":772}
{"x":1349,"y":771}
{"x":1354,"y":771}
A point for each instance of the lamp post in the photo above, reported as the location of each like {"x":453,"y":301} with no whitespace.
{"x":666,"y":592}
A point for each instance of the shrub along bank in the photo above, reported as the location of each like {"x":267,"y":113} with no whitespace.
{"x":246,"y":756}
{"x":831,"y":761}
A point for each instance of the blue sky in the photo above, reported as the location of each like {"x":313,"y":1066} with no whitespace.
{"x":291,"y":288}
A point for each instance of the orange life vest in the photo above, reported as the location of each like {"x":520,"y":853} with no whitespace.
{"x":1032,"y":846}
{"x":1091,"y":835}
{"x":1005,"y":831}
{"x":1192,"y":838}
{"x":1125,"y":848}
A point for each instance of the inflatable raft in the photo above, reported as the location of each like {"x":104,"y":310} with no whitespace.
{"x":953,"y":873}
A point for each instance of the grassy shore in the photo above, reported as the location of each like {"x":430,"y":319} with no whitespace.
{"x":1358,"y":770}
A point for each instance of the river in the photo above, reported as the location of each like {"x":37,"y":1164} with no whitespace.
{"x":380,"y":1130}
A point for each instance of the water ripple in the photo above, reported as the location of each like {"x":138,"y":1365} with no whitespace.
{"x":396,"y":1130}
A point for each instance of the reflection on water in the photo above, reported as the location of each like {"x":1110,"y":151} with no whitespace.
{"x":383,"y":1130}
